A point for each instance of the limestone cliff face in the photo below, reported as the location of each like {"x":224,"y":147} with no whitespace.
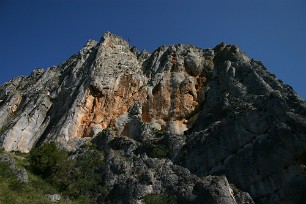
{"x":96,"y":88}
{"x":227,"y":114}
{"x":176,"y":88}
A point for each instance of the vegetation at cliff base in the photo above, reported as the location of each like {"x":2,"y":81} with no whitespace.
{"x":79,"y":176}
{"x":160,"y":199}
{"x":14,"y":191}
{"x":49,"y":161}
{"x":51,"y":170}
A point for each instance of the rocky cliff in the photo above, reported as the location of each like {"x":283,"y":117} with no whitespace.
{"x":216,"y":111}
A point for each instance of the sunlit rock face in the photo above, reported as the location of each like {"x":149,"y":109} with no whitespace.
{"x":229,"y":114}
{"x":96,"y":88}
{"x":176,"y":89}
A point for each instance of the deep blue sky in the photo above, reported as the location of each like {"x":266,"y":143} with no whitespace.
{"x":42,"y":33}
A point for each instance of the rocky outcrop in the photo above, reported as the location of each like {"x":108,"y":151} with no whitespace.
{"x":54,"y":198}
{"x":252,"y":128}
{"x":225,"y":114}
{"x":130,"y":175}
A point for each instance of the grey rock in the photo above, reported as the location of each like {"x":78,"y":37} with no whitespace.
{"x":6,"y":158}
{"x":248,"y":137}
{"x":216,"y":111}
{"x":243,"y":197}
{"x":214,"y":190}
{"x":130,"y":177}
{"x":22,"y":175}
{"x":54,"y":198}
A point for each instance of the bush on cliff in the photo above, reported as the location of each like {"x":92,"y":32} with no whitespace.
{"x":13,"y":190}
{"x":48,"y":160}
{"x":78,"y":176}
{"x":86,"y":178}
{"x":51,"y":162}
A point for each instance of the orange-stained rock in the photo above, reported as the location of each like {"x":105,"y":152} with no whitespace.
{"x":169,"y":96}
{"x":100,"y":86}
{"x":105,"y":109}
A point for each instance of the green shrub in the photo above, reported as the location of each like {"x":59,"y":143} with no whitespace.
{"x":160,"y":199}
{"x":16,"y":185}
{"x":14,"y":191}
{"x":84,"y":200}
{"x":5,"y":170}
{"x":48,"y":160}
{"x":157,"y":150}
{"x":79,"y":178}
{"x":51,"y":162}
{"x":86,"y":177}
{"x":160,"y":151}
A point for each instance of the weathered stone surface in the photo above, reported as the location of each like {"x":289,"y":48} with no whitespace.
{"x":96,"y":88}
{"x":131,"y":175}
{"x":54,"y":198}
{"x":22,"y":175}
{"x":251,"y":129}
{"x":223,"y":112}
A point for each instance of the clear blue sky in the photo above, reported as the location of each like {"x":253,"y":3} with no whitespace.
{"x":42,"y":33}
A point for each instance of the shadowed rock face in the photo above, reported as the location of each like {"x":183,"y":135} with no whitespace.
{"x":131,"y":175}
{"x":229,"y":115}
{"x":251,"y":128}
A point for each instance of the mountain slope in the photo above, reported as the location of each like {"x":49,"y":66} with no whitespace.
{"x":222,"y":112}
